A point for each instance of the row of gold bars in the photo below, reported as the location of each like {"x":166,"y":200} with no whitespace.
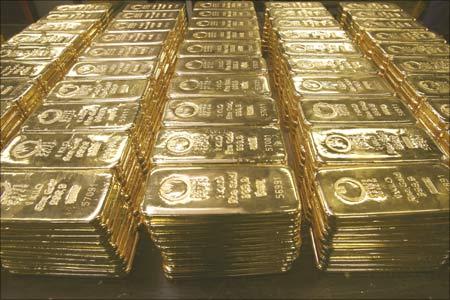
{"x":186,"y":129}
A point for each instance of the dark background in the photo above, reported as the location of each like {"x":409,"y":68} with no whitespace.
{"x":303,"y":281}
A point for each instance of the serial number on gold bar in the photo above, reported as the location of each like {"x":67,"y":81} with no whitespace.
{"x":106,"y":69}
{"x":201,"y":14}
{"x":380,"y":144}
{"x":338,"y":86}
{"x":220,"y":111}
{"x":219,"y":86}
{"x":392,"y":189}
{"x":145,"y":15}
{"x":62,"y":151}
{"x":219,"y":145}
{"x":344,"y":65}
{"x":124,"y":52}
{"x":225,"y":23}
{"x":69,"y":118}
{"x":295,"y":23}
{"x":216,"y":35}
{"x":220,"y":65}
{"x":320,"y":48}
{"x":355,"y":112}
{"x":220,"y":190}
{"x":308,"y":35}
{"x":134,"y":38}
{"x":102,"y":90}
{"x":52,"y":196}
{"x":120,"y":25}
{"x":217,"y":49}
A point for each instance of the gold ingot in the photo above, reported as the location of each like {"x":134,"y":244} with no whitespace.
{"x":400,"y":67}
{"x":134,"y":38}
{"x":420,"y":190}
{"x":299,"y":13}
{"x":221,"y":65}
{"x":332,"y":65}
{"x":346,"y":6}
{"x":27,"y":53}
{"x":319,"y":48}
{"x":120,"y":25}
{"x":219,"y":86}
{"x":44,"y":39}
{"x":388,"y":25}
{"x":390,"y":50}
{"x":22,"y":69}
{"x":148,"y":15}
{"x":219,"y":49}
{"x":62,"y":26}
{"x":270,"y":5}
{"x":225,"y":23}
{"x":311,"y":35}
{"x":402,"y":36}
{"x":294,"y":23}
{"x":354,"y":112}
{"x":206,"y":14}
{"x":417,"y":88}
{"x":92,"y":91}
{"x":65,"y":151}
{"x":67,"y":118}
{"x":199,"y":5}
{"x":249,"y":190}
{"x":379,"y":15}
{"x":158,"y":6}
{"x":220,"y":112}
{"x":346,"y":146}
{"x":112,"y":69}
{"x":259,"y":145}
{"x":74,"y":16}
{"x":217,"y":35}
{"x":87,"y":7}
{"x":121,"y":52}
{"x":341,"y":87}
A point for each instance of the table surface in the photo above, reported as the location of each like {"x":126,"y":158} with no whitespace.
{"x":303,"y":281}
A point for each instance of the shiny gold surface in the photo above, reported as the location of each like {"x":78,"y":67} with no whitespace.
{"x":219,"y":49}
{"x":166,"y":5}
{"x":108,"y":69}
{"x":136,"y":38}
{"x":216,"y":35}
{"x":225,"y":23}
{"x":120,"y":25}
{"x":321,"y":48}
{"x":219,"y":191}
{"x":332,"y":65}
{"x":206,"y":14}
{"x":200,"y":5}
{"x":121,"y":52}
{"x":220,"y":111}
{"x":221,"y":65}
{"x":220,"y":145}
{"x":294,"y":23}
{"x":311,"y":35}
{"x":145,"y":15}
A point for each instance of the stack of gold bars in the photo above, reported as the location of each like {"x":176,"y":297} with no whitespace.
{"x":367,"y":171}
{"x":36,"y":58}
{"x":75,"y":173}
{"x":221,"y":201}
{"x":414,"y":60}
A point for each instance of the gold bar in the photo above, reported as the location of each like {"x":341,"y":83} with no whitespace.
{"x":406,"y":190}
{"x":250,"y":190}
{"x":135,"y":38}
{"x":121,"y":52}
{"x":300,"y":13}
{"x":67,"y":118}
{"x":92,"y":91}
{"x":320,"y":48}
{"x":219,"y":145}
{"x":332,"y":65}
{"x":402,"y":36}
{"x":219,"y":86}
{"x":291,"y":5}
{"x":223,"y":5}
{"x":74,"y":16}
{"x":27,"y":53}
{"x":390,"y":25}
{"x":52,"y":197}
{"x":346,"y":6}
{"x":22,"y":69}
{"x":146,"y":15}
{"x":87,"y":7}
{"x":65,"y":151}
{"x":226,"y":23}
{"x":220,"y":112}
{"x":202,"y":14}
{"x":389,"y":50}
{"x":112,"y":69}
{"x":61,"y":26}
{"x":221,"y":65}
{"x":218,"y":49}
{"x":158,"y":6}
{"x":308,"y":35}
{"x":379,"y":15}
{"x":120,"y":25}
{"x":342,"y":87}
{"x":354,"y":112}
{"x":294,"y":23}
{"x":44,"y":39}
{"x":372,"y":144}
{"x":216,"y":35}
